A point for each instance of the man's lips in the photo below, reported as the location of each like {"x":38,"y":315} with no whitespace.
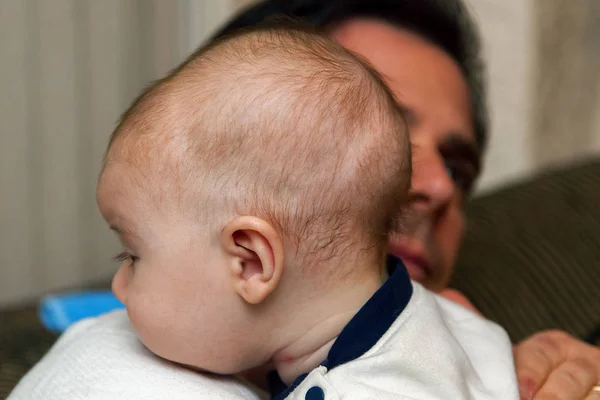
{"x":415,"y":269}
{"x":416,"y":263}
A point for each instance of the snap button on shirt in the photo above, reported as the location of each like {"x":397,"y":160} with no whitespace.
{"x":315,"y":393}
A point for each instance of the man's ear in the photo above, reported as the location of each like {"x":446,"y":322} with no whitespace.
{"x":255,"y":257}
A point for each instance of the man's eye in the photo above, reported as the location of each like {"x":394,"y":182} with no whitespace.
{"x":124,"y":256}
{"x":462,"y":174}
{"x":462,"y":161}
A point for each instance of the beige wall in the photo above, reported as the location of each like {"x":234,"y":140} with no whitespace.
{"x":567,"y":80}
{"x":507,"y":52}
{"x":69,"y":68}
{"x":544,"y":74}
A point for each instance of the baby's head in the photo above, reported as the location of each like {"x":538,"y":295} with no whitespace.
{"x":251,"y":187}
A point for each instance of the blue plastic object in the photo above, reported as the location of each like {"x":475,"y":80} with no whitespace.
{"x":58,"y":312}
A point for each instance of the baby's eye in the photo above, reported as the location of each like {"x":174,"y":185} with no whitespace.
{"x":124,"y":256}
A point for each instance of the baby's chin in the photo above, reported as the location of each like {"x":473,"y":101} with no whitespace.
{"x":215,"y":368}
{"x":196,"y":369}
{"x":206,"y":355}
{"x":173,"y":360}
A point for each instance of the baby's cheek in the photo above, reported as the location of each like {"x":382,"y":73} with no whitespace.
{"x":154,"y":320}
{"x":148,"y":320}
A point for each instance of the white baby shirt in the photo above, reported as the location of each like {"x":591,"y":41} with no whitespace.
{"x":407,"y":343}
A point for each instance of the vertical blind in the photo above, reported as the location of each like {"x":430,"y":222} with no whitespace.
{"x":69,"y":68}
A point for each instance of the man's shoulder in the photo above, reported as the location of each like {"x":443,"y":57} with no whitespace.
{"x":102,"y":358}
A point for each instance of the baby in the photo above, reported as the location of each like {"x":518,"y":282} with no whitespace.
{"x":252,"y":190}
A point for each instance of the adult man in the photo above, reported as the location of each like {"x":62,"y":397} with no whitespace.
{"x":428,"y":53}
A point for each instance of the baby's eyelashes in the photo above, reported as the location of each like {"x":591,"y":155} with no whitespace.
{"x":124,"y":256}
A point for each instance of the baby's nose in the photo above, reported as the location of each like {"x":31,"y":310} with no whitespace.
{"x":120,"y":284}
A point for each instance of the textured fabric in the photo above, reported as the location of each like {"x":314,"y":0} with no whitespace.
{"x":102,"y":359}
{"x":531,"y":257}
{"x":434,"y":350}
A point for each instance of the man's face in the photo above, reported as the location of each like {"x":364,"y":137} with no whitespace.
{"x":431,"y":89}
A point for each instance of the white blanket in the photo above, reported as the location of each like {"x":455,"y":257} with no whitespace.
{"x":102,"y":359}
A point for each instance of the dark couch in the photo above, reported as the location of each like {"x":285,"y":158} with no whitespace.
{"x":531,"y":257}
{"x":531,"y":261}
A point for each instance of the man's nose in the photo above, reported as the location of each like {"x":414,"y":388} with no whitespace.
{"x":432,"y":187}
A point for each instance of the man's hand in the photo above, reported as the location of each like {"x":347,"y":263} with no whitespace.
{"x":554,"y":365}
{"x":551,"y":365}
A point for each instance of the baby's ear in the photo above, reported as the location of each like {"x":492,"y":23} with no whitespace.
{"x":255,"y":257}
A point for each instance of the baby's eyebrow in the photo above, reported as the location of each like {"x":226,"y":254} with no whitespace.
{"x":120,"y":230}
{"x":126,"y":236}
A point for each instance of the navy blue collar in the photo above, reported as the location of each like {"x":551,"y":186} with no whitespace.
{"x":364,"y":330}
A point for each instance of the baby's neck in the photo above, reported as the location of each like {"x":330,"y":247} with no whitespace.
{"x":310,"y":344}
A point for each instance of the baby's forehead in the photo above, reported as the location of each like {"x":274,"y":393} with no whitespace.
{"x":123,"y":201}
{"x":123,"y":194}
{"x":118,"y":183}
{"x":147,"y":142}
{"x":142,"y":172}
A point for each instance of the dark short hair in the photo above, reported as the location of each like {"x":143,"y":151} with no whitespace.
{"x":446,"y":23}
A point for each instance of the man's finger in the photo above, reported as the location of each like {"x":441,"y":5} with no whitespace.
{"x":535,"y":359}
{"x":554,"y":365}
{"x":572,"y":380}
